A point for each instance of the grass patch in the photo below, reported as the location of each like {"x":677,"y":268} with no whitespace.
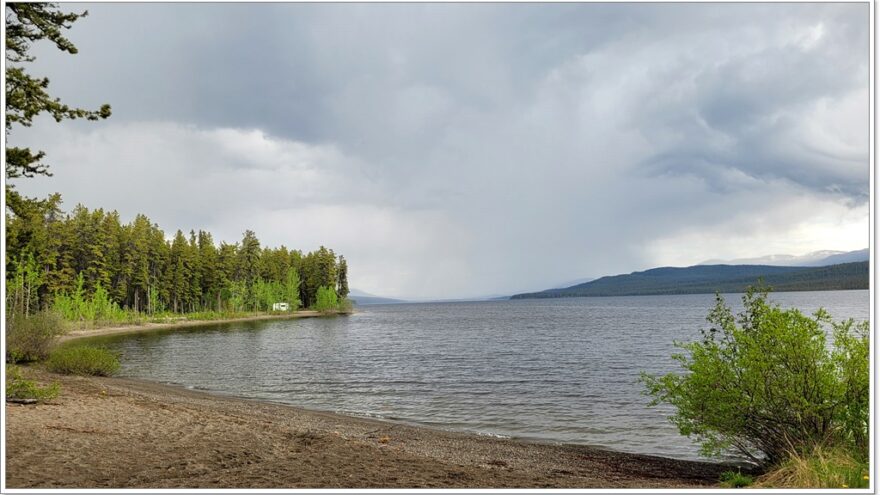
{"x":29,"y":337}
{"x":201,"y":316}
{"x":821,"y":468}
{"x":83,"y":360}
{"x":123,"y":318}
{"x":19,"y":389}
{"x":735,"y":479}
{"x":128,"y":317}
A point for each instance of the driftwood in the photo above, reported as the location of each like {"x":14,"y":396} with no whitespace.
{"x":21,"y":401}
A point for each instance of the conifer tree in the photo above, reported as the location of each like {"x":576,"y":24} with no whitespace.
{"x":26,"y":95}
{"x":208,"y":270}
{"x":92,"y":255}
{"x":137,"y":262}
{"x":342,"y":279}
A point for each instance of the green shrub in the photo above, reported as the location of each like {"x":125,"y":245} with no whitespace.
{"x":19,"y":388}
{"x":29,"y":337}
{"x":345,"y":305}
{"x":767,"y":385}
{"x":326,"y":300}
{"x":851,"y":358}
{"x":98,"y":309}
{"x":83,"y":360}
{"x":735,"y":479}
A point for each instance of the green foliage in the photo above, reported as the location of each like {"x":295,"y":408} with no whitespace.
{"x":22,"y":291}
{"x":95,"y":310}
{"x":735,"y":479}
{"x":345,"y":305}
{"x":29,"y":337}
{"x":317,"y":269}
{"x":96,"y":270}
{"x":326,"y":300}
{"x":342,"y":278}
{"x":26,"y":96}
{"x":266,"y":294}
{"x":17,"y":387}
{"x":291,"y":289}
{"x":851,"y":357}
{"x":237,"y":295}
{"x":83,"y":360}
{"x":166,"y":317}
{"x":154,"y":304}
{"x":766,"y":384}
{"x":70,"y":304}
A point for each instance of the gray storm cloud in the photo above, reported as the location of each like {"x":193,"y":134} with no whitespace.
{"x":453,"y":150}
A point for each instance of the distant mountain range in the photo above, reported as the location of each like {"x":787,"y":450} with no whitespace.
{"x":816,"y":258}
{"x":701,"y":279}
{"x":576,"y":281}
{"x":362,"y":298}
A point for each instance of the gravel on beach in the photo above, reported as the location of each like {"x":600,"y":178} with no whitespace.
{"x":123,"y":433}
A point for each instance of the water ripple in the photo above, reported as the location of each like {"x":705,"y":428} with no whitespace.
{"x":562,"y":370}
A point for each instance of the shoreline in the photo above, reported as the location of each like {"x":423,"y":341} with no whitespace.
{"x":139,"y":424}
{"x":151,"y":327}
{"x":127,"y":433}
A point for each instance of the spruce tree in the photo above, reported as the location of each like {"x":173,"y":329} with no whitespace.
{"x":26,"y":95}
{"x":90,"y":254}
{"x":342,"y":279}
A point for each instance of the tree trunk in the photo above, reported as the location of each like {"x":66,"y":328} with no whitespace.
{"x":27,"y":300}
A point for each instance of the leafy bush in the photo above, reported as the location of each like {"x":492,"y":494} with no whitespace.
{"x":735,"y":479}
{"x":821,"y":468}
{"x":851,"y":358}
{"x":97,"y":309}
{"x":19,"y":388}
{"x":83,"y":360}
{"x":266,"y":294}
{"x":29,"y":337}
{"x":345,"y":305}
{"x":327,"y":300}
{"x":767,"y":385}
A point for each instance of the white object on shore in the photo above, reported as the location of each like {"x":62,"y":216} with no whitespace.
{"x":281,"y":306}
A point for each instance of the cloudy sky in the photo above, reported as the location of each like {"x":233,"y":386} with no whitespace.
{"x":457,"y":150}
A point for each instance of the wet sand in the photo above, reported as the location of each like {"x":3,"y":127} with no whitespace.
{"x":123,"y":433}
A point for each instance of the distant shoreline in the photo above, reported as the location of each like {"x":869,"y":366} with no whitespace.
{"x":522,"y":297}
{"x":708,"y":279}
{"x":152,"y":327}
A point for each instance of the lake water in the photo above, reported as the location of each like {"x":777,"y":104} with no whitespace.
{"x":561,"y":370}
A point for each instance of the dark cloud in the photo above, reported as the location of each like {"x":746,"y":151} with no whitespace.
{"x":461,"y":149}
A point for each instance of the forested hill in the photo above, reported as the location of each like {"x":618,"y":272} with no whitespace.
{"x":53,"y":257}
{"x":703,"y":279}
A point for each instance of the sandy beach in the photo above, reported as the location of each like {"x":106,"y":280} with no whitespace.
{"x":122,"y":433}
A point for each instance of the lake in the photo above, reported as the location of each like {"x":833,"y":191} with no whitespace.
{"x":559,"y":370}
